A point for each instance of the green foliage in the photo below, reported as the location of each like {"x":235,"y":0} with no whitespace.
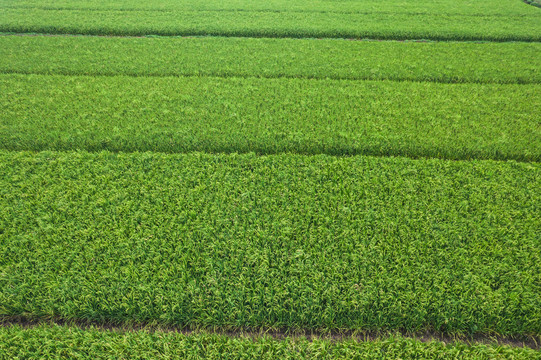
{"x":418,"y":7}
{"x":288,"y":241}
{"x":266,"y":116}
{"x":443,"y":20}
{"x":284,"y":241}
{"x":447,"y":62}
{"x":533,"y":2}
{"x":42,"y":342}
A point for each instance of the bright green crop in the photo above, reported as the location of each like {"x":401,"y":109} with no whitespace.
{"x":266,"y":116}
{"x":255,"y":176}
{"x":297,"y":24}
{"x":505,"y":8}
{"x":445,"y":62}
{"x":284,"y":241}
{"x":55,"y":342}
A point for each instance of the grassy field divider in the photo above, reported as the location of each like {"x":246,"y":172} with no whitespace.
{"x":94,"y":343}
{"x":310,"y":335}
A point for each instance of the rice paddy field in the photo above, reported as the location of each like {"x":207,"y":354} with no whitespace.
{"x":297,"y":179}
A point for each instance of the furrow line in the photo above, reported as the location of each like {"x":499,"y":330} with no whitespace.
{"x":36,"y":34}
{"x":279,"y":11}
{"x":522,"y":341}
{"x":263,"y":76}
{"x":320,"y":35}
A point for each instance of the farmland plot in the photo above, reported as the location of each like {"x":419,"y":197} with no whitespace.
{"x":445,"y":20}
{"x":240,"y":179}
{"x":269,"y":116}
{"x":442,"y":62}
{"x":284,"y":241}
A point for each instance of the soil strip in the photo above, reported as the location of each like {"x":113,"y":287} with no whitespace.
{"x":530,"y":341}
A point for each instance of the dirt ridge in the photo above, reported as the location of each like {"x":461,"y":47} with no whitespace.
{"x":527,"y":341}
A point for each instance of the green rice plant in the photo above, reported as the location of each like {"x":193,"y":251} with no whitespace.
{"x":390,"y":25}
{"x":55,"y":342}
{"x":419,"y":7}
{"x":268,"y":116}
{"x":282,"y":241}
{"x":446,"y":62}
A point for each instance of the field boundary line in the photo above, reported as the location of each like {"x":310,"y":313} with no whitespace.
{"x":5,"y":150}
{"x":45,"y":31}
{"x":419,"y":40}
{"x":524,"y":341}
{"x":409,"y":13}
{"x":269,"y":77}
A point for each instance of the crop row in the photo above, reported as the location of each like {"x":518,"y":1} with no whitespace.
{"x":274,"y":24}
{"x":43,"y":342}
{"x":267,"y":116}
{"x":505,"y":8}
{"x":284,"y":241}
{"x":445,"y":62}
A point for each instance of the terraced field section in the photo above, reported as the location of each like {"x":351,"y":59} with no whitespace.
{"x":324,"y":59}
{"x":287,"y":241}
{"x":493,"y":20}
{"x":294,"y":184}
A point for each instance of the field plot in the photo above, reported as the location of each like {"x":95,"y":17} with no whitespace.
{"x":419,"y":7}
{"x":444,"y":20}
{"x":364,"y":172}
{"x":283,"y":241}
{"x":270,"y":116}
{"x":443,"y":62}
{"x":274,"y":24}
